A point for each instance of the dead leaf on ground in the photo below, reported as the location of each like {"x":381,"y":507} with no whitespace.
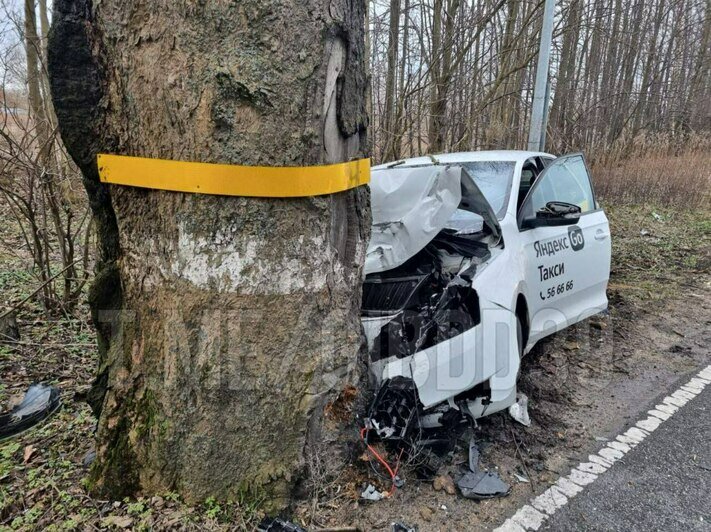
{"x":120,"y":521}
{"x":29,"y":452}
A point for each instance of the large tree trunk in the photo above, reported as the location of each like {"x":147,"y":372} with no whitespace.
{"x":239,"y":317}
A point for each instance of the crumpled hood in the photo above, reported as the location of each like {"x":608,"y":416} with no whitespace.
{"x":411,"y":205}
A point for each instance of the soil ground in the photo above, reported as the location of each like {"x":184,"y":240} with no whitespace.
{"x":584,"y":385}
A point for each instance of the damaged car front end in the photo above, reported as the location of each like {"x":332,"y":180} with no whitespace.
{"x":429,"y":325}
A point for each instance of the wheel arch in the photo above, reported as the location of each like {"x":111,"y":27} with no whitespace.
{"x":522,"y":313}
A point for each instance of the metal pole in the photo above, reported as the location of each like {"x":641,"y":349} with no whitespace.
{"x":536,"y":139}
{"x":544,"y":128}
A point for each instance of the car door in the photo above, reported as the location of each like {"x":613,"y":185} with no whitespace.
{"x":566,"y":267}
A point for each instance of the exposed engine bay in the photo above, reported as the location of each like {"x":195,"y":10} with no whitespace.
{"x":428,"y":299}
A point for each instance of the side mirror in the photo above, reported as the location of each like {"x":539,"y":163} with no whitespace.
{"x":555,"y":213}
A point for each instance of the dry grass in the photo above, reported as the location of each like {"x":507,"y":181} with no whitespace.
{"x":665,"y":169}
{"x":680,"y":181}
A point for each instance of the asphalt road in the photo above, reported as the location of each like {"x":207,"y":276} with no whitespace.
{"x":662,"y":484}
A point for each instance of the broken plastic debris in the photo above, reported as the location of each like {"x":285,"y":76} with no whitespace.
{"x":519,"y":410}
{"x":521,"y":478}
{"x":274,"y":524}
{"x":476,"y":484}
{"x":40,"y":402}
{"x":370,"y":493}
{"x":473,"y":455}
{"x":482,"y":485}
{"x":394,"y":409}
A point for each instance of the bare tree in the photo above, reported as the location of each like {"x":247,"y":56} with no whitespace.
{"x":36,"y":180}
{"x":620,"y":71}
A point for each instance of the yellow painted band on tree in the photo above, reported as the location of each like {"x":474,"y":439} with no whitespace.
{"x":233,"y":180}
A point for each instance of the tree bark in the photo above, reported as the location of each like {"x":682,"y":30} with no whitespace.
{"x":238,"y":317}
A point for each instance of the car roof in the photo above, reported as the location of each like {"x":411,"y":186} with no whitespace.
{"x":466,"y":157}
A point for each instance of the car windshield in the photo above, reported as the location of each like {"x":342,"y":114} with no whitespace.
{"x":494,"y":180}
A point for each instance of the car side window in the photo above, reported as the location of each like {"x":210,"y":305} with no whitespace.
{"x":565,"y":179}
{"x":529,"y":173}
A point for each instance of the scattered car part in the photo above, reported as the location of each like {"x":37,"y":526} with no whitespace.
{"x":521,"y":478}
{"x":477,"y":484}
{"x":371,"y":493}
{"x":482,"y":485}
{"x":40,"y":402}
{"x":394,"y":419}
{"x":473,"y":455}
{"x":275,"y":524}
{"x":392,"y":414}
{"x":519,"y":410}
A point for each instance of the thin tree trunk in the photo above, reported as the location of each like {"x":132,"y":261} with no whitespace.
{"x":226,"y":324}
{"x":390,"y":81}
{"x":37,"y":109}
{"x":442,"y":73}
{"x":562,"y":99}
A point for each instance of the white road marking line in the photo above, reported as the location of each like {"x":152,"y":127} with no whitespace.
{"x":549,"y":501}
{"x":529,"y":518}
{"x":510,"y":526}
{"x":686,"y":395}
{"x":669,"y":409}
{"x":532,"y":516}
{"x":611,"y":455}
{"x":697,"y":383}
{"x":650,"y":424}
{"x":619,"y":446}
{"x":659,"y":414}
{"x":592,"y":467}
{"x":599,"y":460}
{"x":568,"y":488}
{"x":581,"y":478}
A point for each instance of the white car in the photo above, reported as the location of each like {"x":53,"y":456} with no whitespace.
{"x":473,"y":258}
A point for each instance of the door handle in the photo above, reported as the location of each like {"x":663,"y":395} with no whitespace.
{"x":601,"y":235}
